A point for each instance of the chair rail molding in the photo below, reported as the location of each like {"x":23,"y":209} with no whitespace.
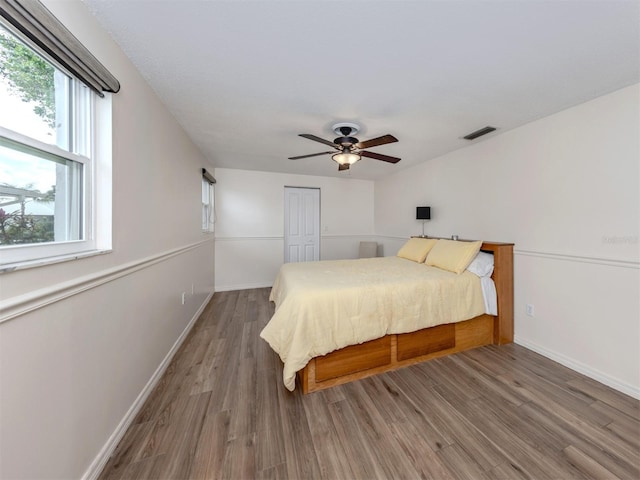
{"x":14,"y":307}
{"x":612,"y":262}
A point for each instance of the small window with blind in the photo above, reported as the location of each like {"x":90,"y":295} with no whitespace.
{"x":208,"y":202}
{"x":48,"y":155}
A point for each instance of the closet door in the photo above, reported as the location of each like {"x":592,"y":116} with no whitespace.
{"x":301,"y":224}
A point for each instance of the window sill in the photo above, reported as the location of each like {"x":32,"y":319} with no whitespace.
{"x":41,"y":262}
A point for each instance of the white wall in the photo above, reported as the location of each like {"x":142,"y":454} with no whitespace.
{"x":250,"y":222}
{"x":566,"y":190}
{"x":81,"y":340}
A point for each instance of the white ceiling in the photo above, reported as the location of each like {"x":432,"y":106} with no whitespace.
{"x":244,"y":78}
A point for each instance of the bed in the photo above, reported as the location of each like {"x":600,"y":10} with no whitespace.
{"x":339,"y":321}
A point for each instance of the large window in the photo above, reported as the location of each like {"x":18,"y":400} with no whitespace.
{"x":47,"y":156}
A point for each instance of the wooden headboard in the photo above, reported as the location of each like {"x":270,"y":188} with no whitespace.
{"x":503,"y":278}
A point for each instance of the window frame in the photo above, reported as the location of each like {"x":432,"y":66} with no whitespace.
{"x":208,"y":208}
{"x":96,"y":190}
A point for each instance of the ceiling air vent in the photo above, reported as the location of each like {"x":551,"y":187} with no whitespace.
{"x":479,"y":133}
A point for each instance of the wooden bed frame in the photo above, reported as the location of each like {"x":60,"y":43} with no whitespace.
{"x":399,"y":350}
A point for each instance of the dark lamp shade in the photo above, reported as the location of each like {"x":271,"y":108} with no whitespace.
{"x":423,"y":213}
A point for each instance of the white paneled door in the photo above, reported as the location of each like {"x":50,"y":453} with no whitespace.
{"x":301,"y":224}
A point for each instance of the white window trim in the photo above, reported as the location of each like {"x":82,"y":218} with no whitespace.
{"x":211,"y":217}
{"x":97,"y":181}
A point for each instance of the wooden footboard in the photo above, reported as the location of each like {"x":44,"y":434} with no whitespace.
{"x":395,"y":351}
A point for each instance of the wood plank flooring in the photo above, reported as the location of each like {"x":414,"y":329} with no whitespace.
{"x":222,"y":412}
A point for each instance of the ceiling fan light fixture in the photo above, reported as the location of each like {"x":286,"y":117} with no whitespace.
{"x":346,"y":158}
{"x":350,"y":149}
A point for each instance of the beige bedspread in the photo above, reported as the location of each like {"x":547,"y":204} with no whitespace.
{"x":324,"y":306}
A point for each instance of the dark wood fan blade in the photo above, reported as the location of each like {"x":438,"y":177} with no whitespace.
{"x":379,"y":156}
{"x":343,"y":167}
{"x":312,"y":155}
{"x":374,"y":142}
{"x":318,"y":139}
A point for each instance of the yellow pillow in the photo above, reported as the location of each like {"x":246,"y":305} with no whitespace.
{"x":452,"y":255}
{"x":416,"y":249}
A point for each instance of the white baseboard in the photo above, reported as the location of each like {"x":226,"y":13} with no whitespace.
{"x":101,"y":459}
{"x":580,"y":367}
{"x":242,"y":286}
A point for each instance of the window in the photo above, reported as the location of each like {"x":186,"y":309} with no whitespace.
{"x":208,"y":204}
{"x":48,"y":157}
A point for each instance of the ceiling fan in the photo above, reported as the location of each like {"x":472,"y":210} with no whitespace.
{"x":350,"y":149}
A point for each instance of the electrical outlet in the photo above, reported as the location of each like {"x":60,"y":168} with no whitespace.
{"x":183,"y":296}
{"x":529,"y":309}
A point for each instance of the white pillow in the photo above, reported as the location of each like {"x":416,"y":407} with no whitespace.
{"x":482,"y":265}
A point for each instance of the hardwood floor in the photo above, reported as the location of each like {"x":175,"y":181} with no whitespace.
{"x":221,"y":411}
